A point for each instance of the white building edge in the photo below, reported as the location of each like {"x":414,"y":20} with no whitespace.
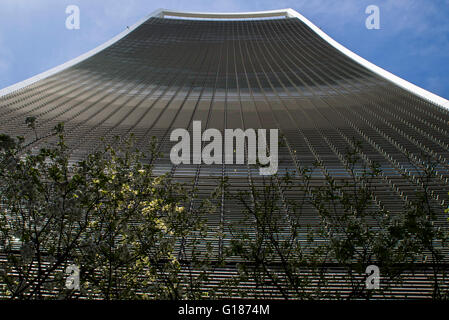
{"x":431,"y":97}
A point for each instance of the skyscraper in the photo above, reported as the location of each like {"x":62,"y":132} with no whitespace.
{"x":260,"y":70}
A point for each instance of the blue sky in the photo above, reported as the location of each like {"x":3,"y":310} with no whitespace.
{"x":413,"y":41}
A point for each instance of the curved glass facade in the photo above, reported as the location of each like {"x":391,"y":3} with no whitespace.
{"x":271,"y":73}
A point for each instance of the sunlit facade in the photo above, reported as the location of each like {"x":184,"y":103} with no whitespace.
{"x":260,"y":70}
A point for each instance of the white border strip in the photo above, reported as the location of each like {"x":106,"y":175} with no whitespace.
{"x":79,"y":59}
{"x":431,"y":97}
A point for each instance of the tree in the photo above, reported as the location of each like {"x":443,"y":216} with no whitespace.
{"x":359,"y":232}
{"x":270,"y":243}
{"x":426,"y":235}
{"x":354,"y":232}
{"x":136,"y":235}
{"x":41,"y":221}
{"x":109,"y":215}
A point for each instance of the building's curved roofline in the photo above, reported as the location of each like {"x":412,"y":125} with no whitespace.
{"x":226,"y":15}
{"x":427,"y":95}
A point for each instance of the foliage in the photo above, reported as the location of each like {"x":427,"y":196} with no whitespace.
{"x":358,"y":231}
{"x":136,"y":235}
{"x":354,"y":232}
{"x":268,"y":241}
{"x":108,"y":214}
